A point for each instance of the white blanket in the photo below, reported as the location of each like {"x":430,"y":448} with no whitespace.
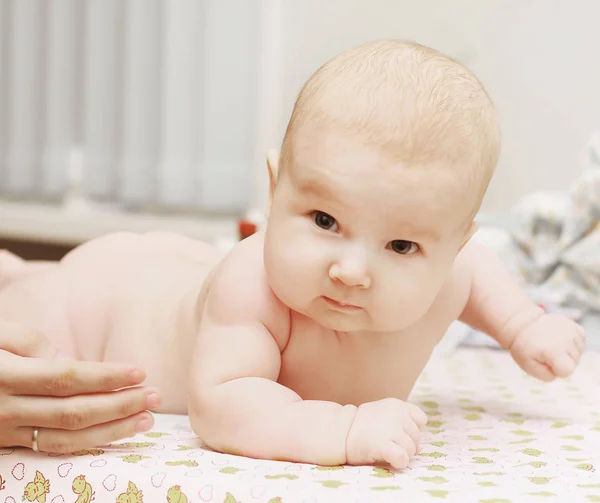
{"x":495,"y":435}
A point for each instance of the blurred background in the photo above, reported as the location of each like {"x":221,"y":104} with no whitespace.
{"x":144,"y":114}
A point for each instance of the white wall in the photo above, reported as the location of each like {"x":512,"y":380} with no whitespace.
{"x":538,"y":59}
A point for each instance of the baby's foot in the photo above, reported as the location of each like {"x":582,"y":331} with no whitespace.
{"x":10,"y":264}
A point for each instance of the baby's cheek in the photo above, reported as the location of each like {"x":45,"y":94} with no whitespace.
{"x":284,"y":261}
{"x":404,"y":302}
{"x":286,"y":273}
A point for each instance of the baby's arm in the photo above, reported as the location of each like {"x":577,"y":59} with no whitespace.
{"x":236,"y":404}
{"x":497,"y":305}
{"x":544,"y":345}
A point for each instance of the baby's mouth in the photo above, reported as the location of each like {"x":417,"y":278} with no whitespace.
{"x":341,"y":305}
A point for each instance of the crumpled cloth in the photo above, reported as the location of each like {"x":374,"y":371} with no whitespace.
{"x":551,"y":243}
{"x":557,"y":241}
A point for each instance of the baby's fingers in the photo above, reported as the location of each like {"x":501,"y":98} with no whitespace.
{"x":562,"y":364}
{"x":579,"y":342}
{"x":574,"y":352}
{"x":407,"y":443}
{"x":417,"y":415}
{"x":395,"y":455}
{"x":537,"y":369}
{"x":411,"y":429}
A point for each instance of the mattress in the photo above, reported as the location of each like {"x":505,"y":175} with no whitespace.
{"x":494,"y":435}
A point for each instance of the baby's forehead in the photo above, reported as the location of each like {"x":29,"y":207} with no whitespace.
{"x":318,"y":155}
{"x":416,"y":103}
{"x":426,"y":195}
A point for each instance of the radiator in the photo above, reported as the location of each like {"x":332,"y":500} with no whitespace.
{"x":145,"y":103}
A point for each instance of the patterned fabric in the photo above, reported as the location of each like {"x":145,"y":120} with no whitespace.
{"x":558,"y":238}
{"x":494,"y":435}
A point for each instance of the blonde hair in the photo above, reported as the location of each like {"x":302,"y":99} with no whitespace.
{"x":418,"y":104}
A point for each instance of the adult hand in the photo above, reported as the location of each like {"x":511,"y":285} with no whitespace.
{"x":73,"y":404}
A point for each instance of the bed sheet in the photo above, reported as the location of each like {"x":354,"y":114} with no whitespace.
{"x":494,"y":435}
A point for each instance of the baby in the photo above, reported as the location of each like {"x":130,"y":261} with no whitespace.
{"x":304,"y":342}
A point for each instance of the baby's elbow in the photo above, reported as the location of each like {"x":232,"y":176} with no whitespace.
{"x":206,"y":421}
{"x":213,"y":433}
{"x":198,"y":411}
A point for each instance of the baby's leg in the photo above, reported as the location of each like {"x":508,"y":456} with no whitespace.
{"x":34,"y":294}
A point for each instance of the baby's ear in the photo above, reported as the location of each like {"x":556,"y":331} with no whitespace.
{"x":472,"y":229}
{"x":273,"y":167}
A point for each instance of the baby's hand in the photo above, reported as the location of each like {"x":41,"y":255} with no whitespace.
{"x":385,"y":431}
{"x":550,"y":347}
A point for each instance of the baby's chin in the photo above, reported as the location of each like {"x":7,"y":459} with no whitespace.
{"x":338,"y":322}
{"x":339,"y":325}
{"x":351,"y":323}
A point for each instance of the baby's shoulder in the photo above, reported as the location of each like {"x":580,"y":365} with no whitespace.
{"x":237,"y":290}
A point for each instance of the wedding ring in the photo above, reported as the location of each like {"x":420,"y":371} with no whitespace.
{"x":34,"y":440}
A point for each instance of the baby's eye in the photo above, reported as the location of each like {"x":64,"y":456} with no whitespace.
{"x":403,"y":247}
{"x":325,"y":221}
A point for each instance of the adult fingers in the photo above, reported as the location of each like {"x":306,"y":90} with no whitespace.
{"x":82,"y":411}
{"x":33,"y":376}
{"x":65,"y":441}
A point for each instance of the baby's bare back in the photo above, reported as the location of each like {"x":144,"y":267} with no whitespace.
{"x":123,"y":297}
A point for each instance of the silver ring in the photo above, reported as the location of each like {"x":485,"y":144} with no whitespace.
{"x":34,"y":440}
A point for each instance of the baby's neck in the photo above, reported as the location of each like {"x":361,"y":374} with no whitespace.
{"x":366,"y":337}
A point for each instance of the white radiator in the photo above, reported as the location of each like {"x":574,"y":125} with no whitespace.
{"x":155,"y":101}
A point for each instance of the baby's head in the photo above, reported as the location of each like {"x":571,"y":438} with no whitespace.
{"x":384,"y":164}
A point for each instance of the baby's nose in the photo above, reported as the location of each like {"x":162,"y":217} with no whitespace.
{"x":351,"y":271}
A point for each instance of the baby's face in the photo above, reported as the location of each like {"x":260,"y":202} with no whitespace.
{"x":357,"y":241}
